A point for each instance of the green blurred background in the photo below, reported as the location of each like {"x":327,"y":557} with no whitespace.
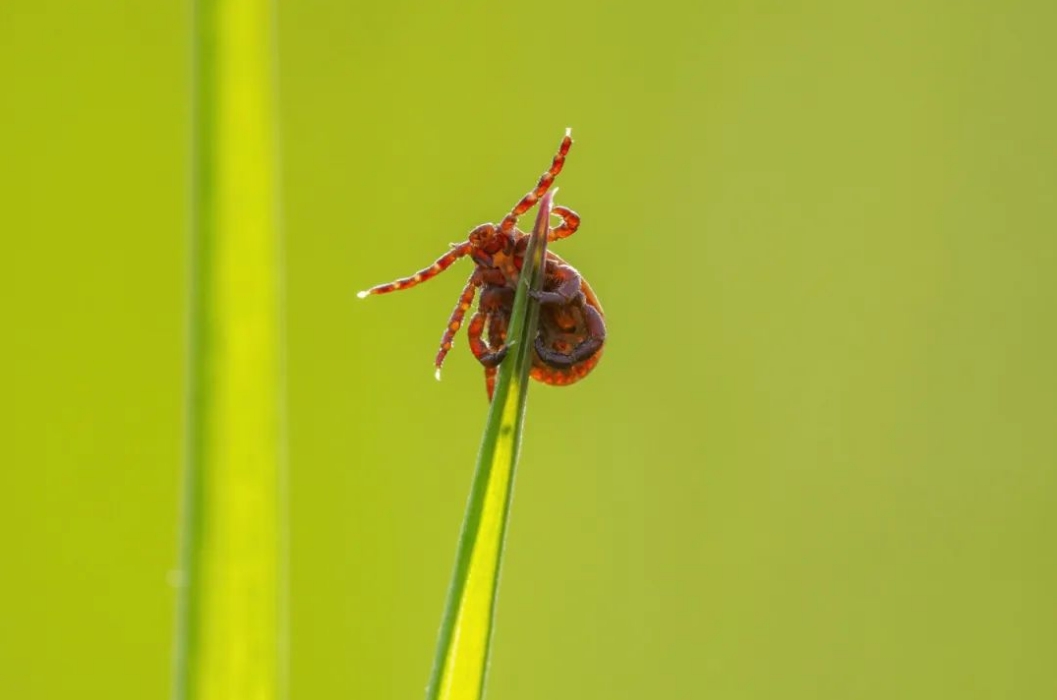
{"x":819,"y":459}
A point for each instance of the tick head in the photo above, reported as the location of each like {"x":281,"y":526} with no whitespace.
{"x":488,"y":239}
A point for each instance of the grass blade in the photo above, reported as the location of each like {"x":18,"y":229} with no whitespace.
{"x":229,"y":638}
{"x":465,"y":637}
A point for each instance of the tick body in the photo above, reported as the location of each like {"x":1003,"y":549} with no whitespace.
{"x":571,"y":329}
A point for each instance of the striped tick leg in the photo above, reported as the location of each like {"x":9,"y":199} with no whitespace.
{"x":455,"y":321}
{"x":485,"y":354}
{"x":570,"y":222}
{"x":489,"y":381}
{"x":544,"y":184}
{"x":488,"y":356}
{"x":440,"y":265}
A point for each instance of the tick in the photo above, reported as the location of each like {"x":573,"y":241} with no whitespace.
{"x":571,"y":329}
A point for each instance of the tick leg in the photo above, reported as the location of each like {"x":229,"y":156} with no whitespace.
{"x":596,"y":336}
{"x":484,"y":354}
{"x":497,"y":325}
{"x":455,"y":321}
{"x":567,"y":289}
{"x":489,"y":380}
{"x":473,"y":335}
{"x":596,"y":325}
{"x":440,"y":265}
{"x":544,"y":184}
{"x":570,"y":222}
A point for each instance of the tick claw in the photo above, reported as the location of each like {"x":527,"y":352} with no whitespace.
{"x":363,"y":295}
{"x":437,"y":374}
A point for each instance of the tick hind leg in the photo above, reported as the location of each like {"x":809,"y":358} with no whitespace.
{"x":489,"y":380}
{"x":486,"y":355}
{"x":591,"y":344}
{"x":491,"y":353}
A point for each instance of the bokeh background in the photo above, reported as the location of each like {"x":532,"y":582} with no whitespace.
{"x":819,"y":458}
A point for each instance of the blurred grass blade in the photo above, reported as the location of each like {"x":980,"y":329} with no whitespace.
{"x":230,"y":628}
{"x":465,"y":636}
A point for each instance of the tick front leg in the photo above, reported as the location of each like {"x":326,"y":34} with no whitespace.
{"x":566,"y":282}
{"x":544,"y":184}
{"x":439,"y":265}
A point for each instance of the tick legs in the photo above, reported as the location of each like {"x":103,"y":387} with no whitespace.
{"x":567,"y":289}
{"x":439,"y":265}
{"x":570,"y":222}
{"x":544,"y":184}
{"x":490,"y":353}
{"x":566,"y":307}
{"x":596,"y":335}
{"x":455,"y":321}
{"x":497,"y":325}
{"x":486,"y":355}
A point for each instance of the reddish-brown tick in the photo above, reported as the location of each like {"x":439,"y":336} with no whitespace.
{"x":571,"y":326}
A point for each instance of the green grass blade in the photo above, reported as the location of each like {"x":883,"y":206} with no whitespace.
{"x":465,"y":636}
{"x":229,"y":637}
